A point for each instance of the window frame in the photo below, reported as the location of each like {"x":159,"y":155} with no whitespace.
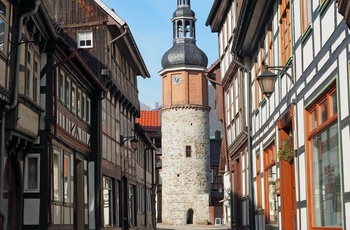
{"x":5,"y":18}
{"x":110,"y":201}
{"x":269,"y":163}
{"x":35,"y":156}
{"x":306,"y":15}
{"x":83,"y":36}
{"x":311,"y":133}
{"x":57,"y":178}
{"x":285,"y":31}
{"x":188,"y":151}
{"x":67,"y":194}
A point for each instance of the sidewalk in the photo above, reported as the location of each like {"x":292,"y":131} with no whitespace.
{"x":161,"y":226}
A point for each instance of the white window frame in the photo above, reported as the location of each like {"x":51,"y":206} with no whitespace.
{"x":108,"y":187}
{"x":57,"y":178}
{"x":85,"y":36}
{"x":35,"y":156}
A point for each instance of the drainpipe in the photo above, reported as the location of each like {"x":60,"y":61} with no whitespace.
{"x":110,"y":45}
{"x":13,"y":104}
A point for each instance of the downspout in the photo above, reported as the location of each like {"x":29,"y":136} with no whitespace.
{"x":13,"y":104}
{"x":110,"y":47}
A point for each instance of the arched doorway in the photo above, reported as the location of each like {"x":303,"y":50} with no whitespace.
{"x":189,"y":216}
{"x":9,"y":198}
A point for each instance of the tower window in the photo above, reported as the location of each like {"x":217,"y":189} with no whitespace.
{"x":188,"y":151}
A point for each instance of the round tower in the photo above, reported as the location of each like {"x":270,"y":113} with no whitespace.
{"x":185,"y":125}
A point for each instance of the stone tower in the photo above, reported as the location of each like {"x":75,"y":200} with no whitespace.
{"x":185,"y":125}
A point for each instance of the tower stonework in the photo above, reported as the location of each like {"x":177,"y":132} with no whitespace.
{"x":185,"y":125}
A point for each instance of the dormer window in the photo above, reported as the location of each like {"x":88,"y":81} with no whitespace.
{"x":85,"y":39}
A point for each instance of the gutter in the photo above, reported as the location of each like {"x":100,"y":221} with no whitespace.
{"x":13,"y":104}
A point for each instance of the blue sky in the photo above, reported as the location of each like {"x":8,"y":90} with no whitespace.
{"x":150,"y":23}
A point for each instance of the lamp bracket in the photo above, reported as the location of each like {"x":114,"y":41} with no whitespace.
{"x":282,"y":70}
{"x":124,"y":139}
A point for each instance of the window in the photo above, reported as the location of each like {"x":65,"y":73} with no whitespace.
{"x":88,"y":111}
{"x":107,"y":201}
{"x":85,"y":40}
{"x":29,"y":76}
{"x":68,"y":91}
{"x":271,"y":211}
{"x":79,"y":102}
{"x":4,"y":18}
{"x":66,"y":178}
{"x":285,"y":31}
{"x":32,"y":173}
{"x":61,"y":86}
{"x":188,"y":151}
{"x":73,"y":98}
{"x":56,"y":175}
{"x":323,"y":162}
{"x":211,"y":176}
{"x":306,"y":14}
{"x":36,"y":81}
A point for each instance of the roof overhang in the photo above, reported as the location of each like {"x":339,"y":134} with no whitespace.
{"x":254,"y":16}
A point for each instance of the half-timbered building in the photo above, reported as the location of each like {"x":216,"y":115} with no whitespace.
{"x":25,"y":32}
{"x":294,"y":164}
{"x":105,"y":43}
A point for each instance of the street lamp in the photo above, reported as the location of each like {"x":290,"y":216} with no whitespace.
{"x":134,"y":142}
{"x":267,"y":79}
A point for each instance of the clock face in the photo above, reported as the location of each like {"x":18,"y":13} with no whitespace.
{"x":177,"y":79}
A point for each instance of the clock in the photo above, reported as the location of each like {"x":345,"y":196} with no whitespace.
{"x":177,"y":79}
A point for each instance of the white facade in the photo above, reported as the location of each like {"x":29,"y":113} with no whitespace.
{"x":311,"y":106}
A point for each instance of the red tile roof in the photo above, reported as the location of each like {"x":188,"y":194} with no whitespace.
{"x":150,"y":121}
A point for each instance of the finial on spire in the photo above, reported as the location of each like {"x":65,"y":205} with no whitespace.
{"x":184,"y":2}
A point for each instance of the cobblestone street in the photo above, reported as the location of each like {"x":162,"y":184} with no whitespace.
{"x":190,"y":227}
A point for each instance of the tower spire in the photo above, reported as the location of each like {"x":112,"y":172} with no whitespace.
{"x":184,"y":22}
{"x":184,"y":51}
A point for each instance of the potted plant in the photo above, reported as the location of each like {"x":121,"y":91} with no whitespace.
{"x":286,"y":152}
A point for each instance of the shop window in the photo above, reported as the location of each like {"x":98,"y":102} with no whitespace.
{"x":32,"y":173}
{"x":108,"y":201}
{"x":271,"y":211}
{"x":66,"y":178}
{"x":56,"y":175}
{"x":323,"y":162}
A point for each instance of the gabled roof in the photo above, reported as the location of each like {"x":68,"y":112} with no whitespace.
{"x":143,"y":71}
{"x":111,"y":12}
{"x":150,"y":121}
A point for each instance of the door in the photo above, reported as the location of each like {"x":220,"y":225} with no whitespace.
{"x":9,"y":197}
{"x":287,"y":177}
